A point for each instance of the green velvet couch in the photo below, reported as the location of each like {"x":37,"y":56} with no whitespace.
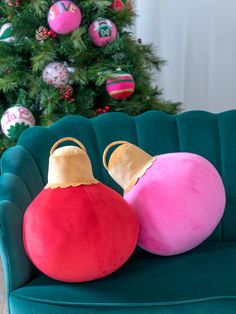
{"x":200,"y":281}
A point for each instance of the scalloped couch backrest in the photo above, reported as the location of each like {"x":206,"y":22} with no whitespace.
{"x":210,"y":135}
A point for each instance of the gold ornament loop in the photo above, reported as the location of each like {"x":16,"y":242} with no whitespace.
{"x":107,"y":150}
{"x":64,"y":139}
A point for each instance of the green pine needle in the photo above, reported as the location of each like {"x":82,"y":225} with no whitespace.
{"x":23,"y":61}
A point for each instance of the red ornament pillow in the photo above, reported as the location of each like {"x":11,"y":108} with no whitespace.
{"x":77,"y":229}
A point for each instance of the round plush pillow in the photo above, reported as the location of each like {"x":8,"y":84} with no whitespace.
{"x":77,"y":229}
{"x":179,"y":198}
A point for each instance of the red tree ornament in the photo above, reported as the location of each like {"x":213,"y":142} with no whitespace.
{"x":77,"y":229}
{"x":118,"y":5}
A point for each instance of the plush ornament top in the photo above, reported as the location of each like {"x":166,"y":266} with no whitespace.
{"x":77,"y":229}
{"x":127,"y":163}
{"x":69,"y":166}
{"x":179,"y":198}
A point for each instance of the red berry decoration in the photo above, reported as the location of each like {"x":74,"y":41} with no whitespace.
{"x":107,"y":108}
{"x":43,"y":33}
{"x":103,"y":110}
{"x":66,"y":93}
{"x":99,"y":111}
{"x":51,"y":33}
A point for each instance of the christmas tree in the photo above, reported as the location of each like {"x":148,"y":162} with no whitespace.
{"x":60,"y":58}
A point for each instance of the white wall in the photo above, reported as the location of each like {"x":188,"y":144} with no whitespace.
{"x":198,"y":39}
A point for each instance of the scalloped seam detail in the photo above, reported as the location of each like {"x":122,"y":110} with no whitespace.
{"x":70,"y":184}
{"x":140,"y":174}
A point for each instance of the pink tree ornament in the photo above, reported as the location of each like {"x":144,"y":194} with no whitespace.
{"x":64,"y":17}
{"x":102,"y":32}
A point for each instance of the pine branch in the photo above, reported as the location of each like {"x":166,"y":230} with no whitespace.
{"x":23,"y":61}
{"x":77,"y":40}
{"x":43,"y":54}
{"x":39,"y":7}
{"x":8,"y":83}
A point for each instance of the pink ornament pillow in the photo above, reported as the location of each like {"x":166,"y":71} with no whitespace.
{"x":179,"y":198}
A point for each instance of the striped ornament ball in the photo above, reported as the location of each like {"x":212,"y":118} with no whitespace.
{"x":121,"y":85}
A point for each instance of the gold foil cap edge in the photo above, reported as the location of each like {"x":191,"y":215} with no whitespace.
{"x":139,"y":175}
{"x":69,"y":184}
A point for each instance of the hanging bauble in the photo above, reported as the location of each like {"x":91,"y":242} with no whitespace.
{"x":15,"y":120}
{"x":118,"y":5}
{"x":102,"y":32}
{"x":121,"y":85}
{"x":64,"y":17}
{"x":6,"y":33}
{"x":56,"y":74}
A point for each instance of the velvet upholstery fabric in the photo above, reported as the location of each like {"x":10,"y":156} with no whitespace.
{"x":78,"y":234}
{"x":187,"y":283}
{"x":200,"y":281}
{"x":179,"y":201}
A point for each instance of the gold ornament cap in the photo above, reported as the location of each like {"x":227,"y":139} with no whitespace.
{"x":127,"y":163}
{"x":69,"y":166}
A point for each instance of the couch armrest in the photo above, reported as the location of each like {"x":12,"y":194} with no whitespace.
{"x":20,"y":182}
{"x":17,"y":267}
{"x":14,"y":199}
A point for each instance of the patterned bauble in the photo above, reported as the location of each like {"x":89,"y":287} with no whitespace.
{"x":6,"y":33}
{"x":64,"y":17}
{"x":56,"y":74}
{"x":15,"y":120}
{"x":118,"y":5}
{"x":102,"y":32}
{"x":121,"y":85}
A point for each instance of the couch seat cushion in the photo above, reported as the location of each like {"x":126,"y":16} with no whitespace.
{"x":205,"y":273}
